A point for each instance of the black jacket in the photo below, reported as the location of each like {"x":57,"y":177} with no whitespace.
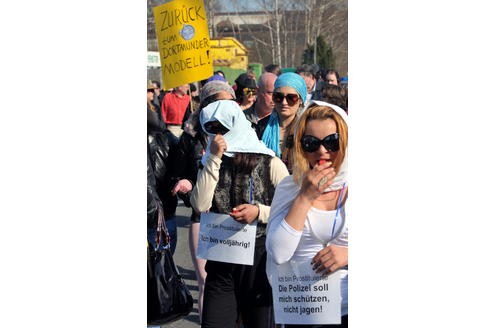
{"x":162,"y":154}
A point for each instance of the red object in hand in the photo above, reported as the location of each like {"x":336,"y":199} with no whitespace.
{"x":235,"y":211}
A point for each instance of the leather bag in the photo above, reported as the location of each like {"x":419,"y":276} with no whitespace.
{"x":168,"y":296}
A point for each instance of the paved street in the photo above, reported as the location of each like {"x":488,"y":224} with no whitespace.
{"x":182,"y":259}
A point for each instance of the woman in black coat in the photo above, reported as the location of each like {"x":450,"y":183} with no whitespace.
{"x":161,"y":155}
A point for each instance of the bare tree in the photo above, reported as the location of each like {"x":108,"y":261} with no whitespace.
{"x":212,"y":8}
{"x":292,"y":25}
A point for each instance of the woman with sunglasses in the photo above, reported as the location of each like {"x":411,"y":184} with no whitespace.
{"x":238,"y":179}
{"x":245,"y":91}
{"x":307,"y":229}
{"x":289,"y":96}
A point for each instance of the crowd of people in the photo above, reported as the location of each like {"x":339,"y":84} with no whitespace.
{"x":269,"y":151}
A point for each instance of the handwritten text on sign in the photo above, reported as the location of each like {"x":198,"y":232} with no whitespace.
{"x":223,"y":239}
{"x":300,"y":296}
{"x":183,"y":41}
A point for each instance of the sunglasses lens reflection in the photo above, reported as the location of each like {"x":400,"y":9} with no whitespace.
{"x":311,"y":144}
{"x":291,"y":98}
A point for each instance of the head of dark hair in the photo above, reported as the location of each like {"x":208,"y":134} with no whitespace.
{"x":330,"y":71}
{"x":157,"y":84}
{"x":273,"y":68}
{"x":335,"y":95}
{"x":308,"y":69}
{"x":243,"y":81}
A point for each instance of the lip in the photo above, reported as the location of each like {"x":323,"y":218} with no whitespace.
{"x":323,"y":159}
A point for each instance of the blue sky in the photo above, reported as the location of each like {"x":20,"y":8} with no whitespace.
{"x":227,"y":5}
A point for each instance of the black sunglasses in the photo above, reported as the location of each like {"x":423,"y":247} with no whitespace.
{"x":291,"y":98}
{"x":215,"y":127}
{"x":310,"y":144}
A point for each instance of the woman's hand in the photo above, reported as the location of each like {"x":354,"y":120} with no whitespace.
{"x":245,"y":213}
{"x":218,"y":145}
{"x":313,"y":185}
{"x":329,"y":259}
{"x":182,"y":186}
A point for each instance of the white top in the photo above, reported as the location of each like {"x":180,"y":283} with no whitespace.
{"x":284,"y":243}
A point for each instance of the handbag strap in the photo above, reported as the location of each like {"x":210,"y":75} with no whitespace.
{"x":162,"y":234}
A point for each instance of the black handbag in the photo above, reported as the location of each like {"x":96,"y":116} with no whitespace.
{"x":169,"y":298}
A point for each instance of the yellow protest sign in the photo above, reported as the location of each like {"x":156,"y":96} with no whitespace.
{"x":183,"y":41}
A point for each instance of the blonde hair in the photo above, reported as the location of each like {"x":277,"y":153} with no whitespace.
{"x":316,"y":112}
{"x":151,"y":106}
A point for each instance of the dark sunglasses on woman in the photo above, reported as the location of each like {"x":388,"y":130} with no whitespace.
{"x":278,"y":97}
{"x":310,"y":144}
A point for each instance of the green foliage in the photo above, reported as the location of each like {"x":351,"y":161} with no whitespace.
{"x":324,"y":54}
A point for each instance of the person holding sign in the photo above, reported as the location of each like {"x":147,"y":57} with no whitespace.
{"x":307,"y":231}
{"x":235,"y":185}
{"x":192,"y":145}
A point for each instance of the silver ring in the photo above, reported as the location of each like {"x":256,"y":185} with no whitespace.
{"x":322,"y":181}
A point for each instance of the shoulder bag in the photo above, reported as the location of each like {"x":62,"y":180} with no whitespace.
{"x":168,"y":296}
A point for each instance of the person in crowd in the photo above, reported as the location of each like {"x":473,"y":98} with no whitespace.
{"x":161,"y":156}
{"x":174,"y":107}
{"x":250,"y":73}
{"x":245,"y":91}
{"x":289,"y":97}
{"x":238,"y":178}
{"x":310,"y":75}
{"x":331,"y":76}
{"x":307,"y":220}
{"x":217,"y":77}
{"x":154,"y":125}
{"x":259,"y":113}
{"x":159,"y":93}
{"x":193,"y":105}
{"x":195,"y":102}
{"x":152,"y":101}
{"x":214,"y":77}
{"x":221,"y":73}
{"x":192,"y":145}
{"x":273,"y":68}
{"x":156,"y":154}
{"x":335,"y":94}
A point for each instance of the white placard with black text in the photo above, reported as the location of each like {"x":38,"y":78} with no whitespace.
{"x":223,"y":239}
{"x":301,"y":296}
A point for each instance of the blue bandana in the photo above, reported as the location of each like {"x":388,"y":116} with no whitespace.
{"x":271,"y":135}
{"x":292,"y":80}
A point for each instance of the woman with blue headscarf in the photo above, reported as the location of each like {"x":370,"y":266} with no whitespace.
{"x":289,"y":96}
{"x":237,"y":179}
